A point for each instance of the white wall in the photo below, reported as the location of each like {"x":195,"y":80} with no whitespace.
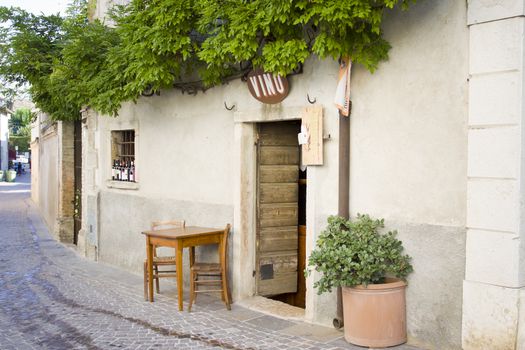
{"x":409,"y":157}
{"x":495,"y":256}
{"x":48,"y":177}
{"x":408,"y":164}
{"x":4,"y":138}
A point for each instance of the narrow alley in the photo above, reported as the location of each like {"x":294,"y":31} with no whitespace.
{"x":50,"y":298}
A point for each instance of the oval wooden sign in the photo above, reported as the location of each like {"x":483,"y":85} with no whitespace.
{"x":267,"y":87}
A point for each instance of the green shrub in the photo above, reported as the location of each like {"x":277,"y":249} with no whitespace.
{"x":349,"y":253}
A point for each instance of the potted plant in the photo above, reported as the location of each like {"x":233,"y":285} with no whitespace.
{"x":10,"y":176}
{"x":371,"y":269}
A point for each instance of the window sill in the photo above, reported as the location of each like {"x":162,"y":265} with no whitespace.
{"x":122,"y":185}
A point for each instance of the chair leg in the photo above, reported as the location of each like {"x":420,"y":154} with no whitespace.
{"x":192,"y":290}
{"x":146,"y":281}
{"x":156,"y":268}
{"x":225,"y":291}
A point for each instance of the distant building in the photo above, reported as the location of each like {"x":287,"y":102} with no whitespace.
{"x":5,"y":111}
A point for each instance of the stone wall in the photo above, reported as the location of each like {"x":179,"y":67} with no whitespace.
{"x":495,"y":255}
{"x":66,"y":184}
{"x":53,"y":177}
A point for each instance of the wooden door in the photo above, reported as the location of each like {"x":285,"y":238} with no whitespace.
{"x":277,"y":208}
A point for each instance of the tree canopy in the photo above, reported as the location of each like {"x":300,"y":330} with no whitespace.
{"x":149,"y":45}
{"x":20,"y":122}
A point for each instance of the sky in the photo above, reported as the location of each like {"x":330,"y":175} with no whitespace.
{"x":47,"y":7}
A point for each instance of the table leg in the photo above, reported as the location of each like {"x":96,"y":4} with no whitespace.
{"x":149,"y":253}
{"x":179,"y":276}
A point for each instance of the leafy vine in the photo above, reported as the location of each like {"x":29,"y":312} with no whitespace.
{"x":70,"y":62}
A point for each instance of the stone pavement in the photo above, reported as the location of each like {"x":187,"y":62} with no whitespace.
{"x":50,"y":298}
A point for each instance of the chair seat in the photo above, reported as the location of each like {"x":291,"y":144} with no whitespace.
{"x":206,"y":267}
{"x":160,"y":260}
{"x":215,"y":273}
{"x":163,"y":260}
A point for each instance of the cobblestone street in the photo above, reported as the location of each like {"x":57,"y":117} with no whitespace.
{"x":50,"y":298}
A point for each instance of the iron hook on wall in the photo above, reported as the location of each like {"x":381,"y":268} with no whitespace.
{"x":311,"y":102}
{"x":228,"y":108}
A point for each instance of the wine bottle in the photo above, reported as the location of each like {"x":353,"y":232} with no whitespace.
{"x":132,"y":172}
{"x":119,"y":171}
{"x":124,"y":171}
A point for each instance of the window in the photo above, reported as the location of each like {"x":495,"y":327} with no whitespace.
{"x":123,"y":155}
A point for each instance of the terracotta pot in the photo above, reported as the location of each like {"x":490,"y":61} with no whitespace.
{"x":375,"y":316}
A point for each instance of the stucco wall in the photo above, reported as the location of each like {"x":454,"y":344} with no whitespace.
{"x":4,"y":135}
{"x":408,"y":164}
{"x":48,"y":174}
{"x":409,"y":157}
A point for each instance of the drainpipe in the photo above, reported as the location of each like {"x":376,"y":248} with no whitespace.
{"x":344,"y":194}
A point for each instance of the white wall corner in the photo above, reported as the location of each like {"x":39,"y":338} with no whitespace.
{"x":494,"y":152}
{"x":495,"y":99}
{"x":244,"y":211}
{"x":493,"y":204}
{"x":490,"y":316}
{"x":521,"y":326}
{"x":480,"y":11}
{"x":491,"y":258}
{"x":496,"y":46}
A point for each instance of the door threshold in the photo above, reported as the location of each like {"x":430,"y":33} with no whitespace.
{"x":273,"y":308}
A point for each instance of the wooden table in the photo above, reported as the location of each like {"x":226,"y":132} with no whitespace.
{"x":179,"y":238}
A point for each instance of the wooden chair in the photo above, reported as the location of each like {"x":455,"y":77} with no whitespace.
{"x":161,"y":260}
{"x":217,"y":271}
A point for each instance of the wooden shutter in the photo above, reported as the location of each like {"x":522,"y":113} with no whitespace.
{"x":277,"y":209}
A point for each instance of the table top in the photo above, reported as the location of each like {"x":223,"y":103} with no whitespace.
{"x":182,"y":232}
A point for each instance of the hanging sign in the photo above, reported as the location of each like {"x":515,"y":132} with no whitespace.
{"x":311,"y":136}
{"x":267,"y":87}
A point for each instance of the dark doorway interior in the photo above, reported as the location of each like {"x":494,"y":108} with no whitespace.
{"x":77,"y":197}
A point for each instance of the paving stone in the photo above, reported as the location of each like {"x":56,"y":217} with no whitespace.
{"x":50,"y":298}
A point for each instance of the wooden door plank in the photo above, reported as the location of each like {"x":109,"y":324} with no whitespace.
{"x":278,"y":173}
{"x":281,"y":275}
{"x":278,"y":193}
{"x":279,"y":155}
{"x":278,"y":140}
{"x":290,"y":128}
{"x":275,"y":239}
{"x":281,"y":283}
{"x":284,"y":214}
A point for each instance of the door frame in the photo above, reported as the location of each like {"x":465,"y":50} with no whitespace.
{"x":245,"y":191}
{"x":280,"y":125}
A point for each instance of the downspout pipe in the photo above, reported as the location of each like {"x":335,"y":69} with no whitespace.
{"x":344,"y":194}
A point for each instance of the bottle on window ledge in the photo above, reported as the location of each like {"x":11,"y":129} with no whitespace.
{"x":119,"y":169}
{"x":124,"y":171}
{"x":132,"y":172}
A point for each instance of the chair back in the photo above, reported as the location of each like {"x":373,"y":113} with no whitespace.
{"x":162,"y":225}
{"x":223,"y":254}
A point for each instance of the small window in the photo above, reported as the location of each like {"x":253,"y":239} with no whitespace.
{"x":123,"y":155}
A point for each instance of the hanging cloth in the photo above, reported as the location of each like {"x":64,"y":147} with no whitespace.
{"x":342,"y":94}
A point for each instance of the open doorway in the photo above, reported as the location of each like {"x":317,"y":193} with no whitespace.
{"x":77,"y":196}
{"x":281,"y":214}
